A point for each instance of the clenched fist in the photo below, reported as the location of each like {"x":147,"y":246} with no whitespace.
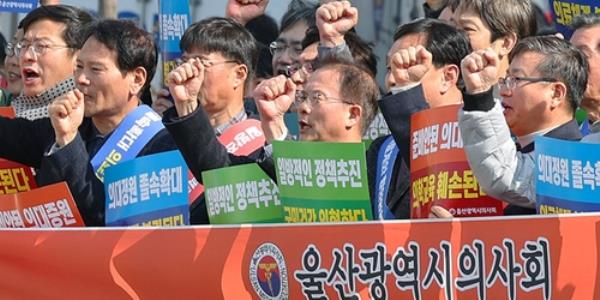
{"x":184,"y":84}
{"x":409,"y":65}
{"x":334,"y":19}
{"x":480,"y":70}
{"x":66,"y":114}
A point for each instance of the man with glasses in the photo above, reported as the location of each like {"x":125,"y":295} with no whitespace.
{"x":287,"y":47}
{"x":218,"y":61}
{"x":544,"y":84}
{"x":52,"y":38}
{"x":587,"y":38}
{"x":338,"y":101}
{"x":13,"y":71}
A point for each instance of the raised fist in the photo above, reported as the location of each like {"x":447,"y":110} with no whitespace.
{"x":274,"y":97}
{"x":184,"y":84}
{"x":334,"y":19}
{"x":409,"y":65}
{"x":245,"y":10}
{"x":480,"y":70}
{"x":66,"y":114}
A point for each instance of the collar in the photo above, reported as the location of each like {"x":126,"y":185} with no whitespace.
{"x":36,"y":107}
{"x":595,"y":127}
{"x":528,"y":138}
{"x":241,"y":116}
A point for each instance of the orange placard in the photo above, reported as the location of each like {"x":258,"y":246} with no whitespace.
{"x":7,"y":111}
{"x":439,"y":170}
{"x":533,"y":257}
{"x":15,"y":177}
{"x":49,"y":206}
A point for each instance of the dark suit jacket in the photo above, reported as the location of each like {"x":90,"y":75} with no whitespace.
{"x":72,"y":164}
{"x":397,"y":110}
{"x":202,"y":151}
{"x":568,"y":131}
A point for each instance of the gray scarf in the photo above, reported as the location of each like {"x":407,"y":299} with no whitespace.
{"x":36,"y":107}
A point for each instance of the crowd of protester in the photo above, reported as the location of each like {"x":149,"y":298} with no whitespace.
{"x":73,"y":79}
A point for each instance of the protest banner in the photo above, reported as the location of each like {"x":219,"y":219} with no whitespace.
{"x":173,"y":19}
{"x":7,"y":111}
{"x":322,"y":182}
{"x":241,"y":194}
{"x":564,"y":11}
{"x":567,"y":176}
{"x":48,"y":206}
{"x":14,"y":177}
{"x":147,"y":191}
{"x":533,"y":257}
{"x":439,"y":171}
{"x":18,"y":6}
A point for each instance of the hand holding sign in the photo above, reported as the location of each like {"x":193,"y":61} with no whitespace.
{"x":334,"y":19}
{"x":184,"y":83}
{"x":410,"y":65}
{"x":245,"y":10}
{"x":66,"y":114}
{"x":480,"y":70}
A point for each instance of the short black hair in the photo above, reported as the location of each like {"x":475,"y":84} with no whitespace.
{"x":264,"y":30}
{"x":584,"y":21}
{"x":299,"y":10}
{"x":133,"y":46}
{"x":448,"y":45}
{"x":361,"y":50}
{"x":76,"y":22}
{"x":223,"y":36}
{"x":562,"y":61}
{"x":2,"y":49}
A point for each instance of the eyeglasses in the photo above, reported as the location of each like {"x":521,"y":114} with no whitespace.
{"x":313,"y":98}
{"x":277,"y":48}
{"x":207,"y":63}
{"x":38,"y":48}
{"x":10,"y":49}
{"x":510,"y":82}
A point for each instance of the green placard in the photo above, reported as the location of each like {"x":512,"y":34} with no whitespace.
{"x":321,"y":182}
{"x":241,"y":194}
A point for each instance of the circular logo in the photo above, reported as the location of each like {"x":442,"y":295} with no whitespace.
{"x":268,"y":273}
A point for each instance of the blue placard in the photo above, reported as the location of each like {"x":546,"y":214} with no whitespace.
{"x":174,"y":19}
{"x":564,"y":11}
{"x":150,"y":190}
{"x":567,"y":176}
{"x":18,"y":6}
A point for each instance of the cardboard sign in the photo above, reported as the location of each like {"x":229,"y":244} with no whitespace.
{"x":147,"y":191}
{"x":322,"y":182}
{"x":49,"y":206}
{"x":241,"y":194}
{"x":439,"y":171}
{"x":567,"y":176}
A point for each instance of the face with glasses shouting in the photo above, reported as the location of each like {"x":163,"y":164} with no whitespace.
{"x":44,"y":56}
{"x":323,"y":113}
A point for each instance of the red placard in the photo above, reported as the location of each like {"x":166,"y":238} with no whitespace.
{"x":439,"y":171}
{"x":49,"y":206}
{"x":533,"y":257}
